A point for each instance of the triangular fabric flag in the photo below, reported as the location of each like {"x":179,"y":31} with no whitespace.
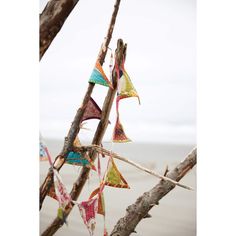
{"x":99,"y":77}
{"x":101,"y":202}
{"x":113,"y":177}
{"x":42,"y":152}
{"x":88,"y":210}
{"x":74,"y":158}
{"x":119,"y":135}
{"x":92,"y":111}
{"x":62,"y":195}
{"x":125,"y":87}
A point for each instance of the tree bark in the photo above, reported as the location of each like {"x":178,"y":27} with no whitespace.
{"x":139,"y":210}
{"x":107,"y":105}
{"x":52,"y":19}
{"x":75,"y":127}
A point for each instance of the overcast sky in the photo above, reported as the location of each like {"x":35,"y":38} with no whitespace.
{"x":161,"y":37}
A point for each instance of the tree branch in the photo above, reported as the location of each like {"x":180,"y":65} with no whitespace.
{"x":52,"y":19}
{"x":80,"y":182}
{"x":102,"y":150}
{"x":75,"y":127}
{"x":139,"y":210}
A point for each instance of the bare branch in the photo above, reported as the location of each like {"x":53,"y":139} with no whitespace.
{"x":52,"y":19}
{"x":124,"y":159}
{"x":139,"y":210}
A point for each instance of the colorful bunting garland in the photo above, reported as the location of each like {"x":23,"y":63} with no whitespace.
{"x":125,"y":89}
{"x":99,"y":77}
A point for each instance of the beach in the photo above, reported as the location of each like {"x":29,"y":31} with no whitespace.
{"x":174,"y":216}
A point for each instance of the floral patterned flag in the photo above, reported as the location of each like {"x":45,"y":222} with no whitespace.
{"x":119,"y":135}
{"x":113,"y":177}
{"x":88,"y":210}
{"x":62,"y":195}
{"x":99,"y":77}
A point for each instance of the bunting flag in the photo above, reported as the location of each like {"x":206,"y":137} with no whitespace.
{"x":92,"y":111}
{"x":62,"y":196}
{"x":113,"y":177}
{"x":119,"y":135}
{"x":78,"y":159}
{"x":125,"y":87}
{"x":99,"y":77}
{"x":42,"y":152}
{"x":88,"y":210}
{"x":101,"y":202}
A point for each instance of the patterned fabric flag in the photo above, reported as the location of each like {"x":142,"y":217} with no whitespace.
{"x":101,"y":202}
{"x":88,"y":210}
{"x":62,"y":196}
{"x":92,"y":111}
{"x":119,"y":135}
{"x":99,"y":77}
{"x":78,"y":159}
{"x":42,"y":152}
{"x":113,"y":177}
{"x":125,"y":87}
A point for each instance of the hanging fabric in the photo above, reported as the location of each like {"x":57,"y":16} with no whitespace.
{"x":125,"y":89}
{"x":119,"y":135}
{"x":61,"y":194}
{"x":92,"y":111}
{"x":113,"y":176}
{"x":75,"y":158}
{"x":101,"y":202}
{"x":88,"y":210}
{"x":43,"y":151}
{"x":98,"y":76}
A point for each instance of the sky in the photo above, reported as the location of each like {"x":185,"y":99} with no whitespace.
{"x":161,"y":62}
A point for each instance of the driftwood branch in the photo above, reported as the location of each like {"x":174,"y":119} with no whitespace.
{"x":139,"y":210}
{"x":52,"y":19}
{"x":102,"y":150}
{"x":75,"y":127}
{"x":80,"y":182}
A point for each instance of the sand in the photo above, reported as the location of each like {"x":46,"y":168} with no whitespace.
{"x":174,"y":216}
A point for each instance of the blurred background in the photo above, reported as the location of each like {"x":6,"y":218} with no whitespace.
{"x":161,"y":36}
{"x":161,"y":62}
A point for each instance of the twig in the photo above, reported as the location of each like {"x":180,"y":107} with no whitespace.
{"x":109,"y":153}
{"x":75,"y":127}
{"x":139,"y":210}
